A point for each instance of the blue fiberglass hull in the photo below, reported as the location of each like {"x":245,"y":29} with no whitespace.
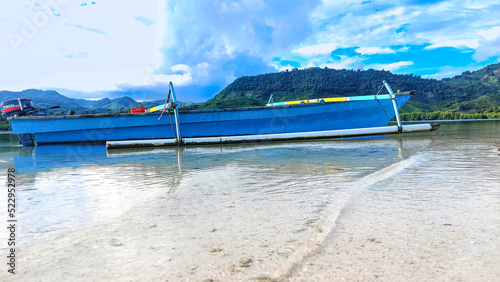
{"x":209,"y":123}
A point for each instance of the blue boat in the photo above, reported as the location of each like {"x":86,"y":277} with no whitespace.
{"x":296,"y":117}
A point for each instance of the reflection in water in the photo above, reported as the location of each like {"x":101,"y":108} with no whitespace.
{"x":65,"y":186}
{"x":8,"y":142}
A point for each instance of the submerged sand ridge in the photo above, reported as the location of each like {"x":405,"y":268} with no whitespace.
{"x":231,"y":235}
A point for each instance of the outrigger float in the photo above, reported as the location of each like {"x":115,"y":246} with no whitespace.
{"x":304,"y":119}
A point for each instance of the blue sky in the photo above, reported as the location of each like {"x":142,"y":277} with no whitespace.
{"x":97,"y":49}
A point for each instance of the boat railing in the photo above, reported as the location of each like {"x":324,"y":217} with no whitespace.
{"x":377,"y":96}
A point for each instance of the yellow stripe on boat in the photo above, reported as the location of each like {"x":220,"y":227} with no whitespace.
{"x":332,"y":100}
{"x":338,"y":99}
{"x":154,"y":109}
{"x":313,"y":101}
{"x":294,"y":102}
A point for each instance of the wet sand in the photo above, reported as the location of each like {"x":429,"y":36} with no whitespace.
{"x":365,"y":234}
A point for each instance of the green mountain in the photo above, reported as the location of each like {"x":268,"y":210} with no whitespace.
{"x":46,"y":99}
{"x":470,"y":92}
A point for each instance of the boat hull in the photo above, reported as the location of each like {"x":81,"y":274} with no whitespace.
{"x":209,"y":123}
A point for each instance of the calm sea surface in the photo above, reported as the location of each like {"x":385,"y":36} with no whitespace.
{"x":60,"y":188}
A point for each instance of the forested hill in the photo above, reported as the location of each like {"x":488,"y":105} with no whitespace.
{"x":469,"y":91}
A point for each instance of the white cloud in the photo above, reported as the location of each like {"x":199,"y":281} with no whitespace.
{"x":181,"y":68}
{"x":161,"y":19}
{"x":398,"y":65}
{"x":237,"y":7}
{"x":81,"y":49}
{"x":391,"y":67}
{"x":285,"y":68}
{"x":477,"y":6}
{"x":490,"y":34}
{"x":202,"y":72}
{"x":489,"y":45}
{"x":233,"y":37}
{"x":182,"y":76}
{"x":203,"y":65}
{"x":356,"y":24}
{"x":449,"y":71}
{"x":469,"y":43}
{"x":374,"y":23}
{"x":176,"y":79}
{"x":374,"y":50}
{"x":92,"y":81}
{"x":317,"y":49}
{"x":107,"y":80}
{"x":344,"y":63}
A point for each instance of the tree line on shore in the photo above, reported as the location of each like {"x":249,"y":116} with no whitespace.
{"x":446,"y":115}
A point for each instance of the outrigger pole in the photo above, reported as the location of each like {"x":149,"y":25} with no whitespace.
{"x":339,"y":133}
{"x":393,"y":98}
{"x":176,"y":115}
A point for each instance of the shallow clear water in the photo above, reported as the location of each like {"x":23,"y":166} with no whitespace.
{"x":60,"y":188}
